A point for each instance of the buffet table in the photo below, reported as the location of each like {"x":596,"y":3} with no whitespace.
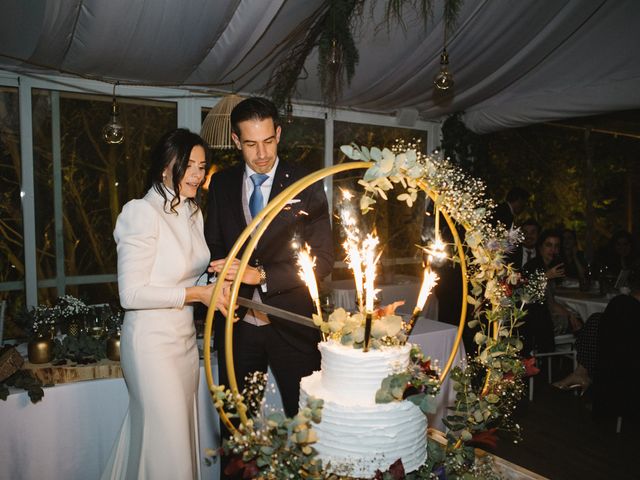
{"x":69,"y":434}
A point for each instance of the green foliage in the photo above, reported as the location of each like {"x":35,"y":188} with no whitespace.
{"x":419,"y":378}
{"x":348,"y":328}
{"x":464,"y":147}
{"x":333,"y":32}
{"x":24,"y":380}
{"x":270,"y":446}
{"x":40,"y":321}
{"x":337,"y":52}
{"x":549,"y":160}
{"x":80,"y":349}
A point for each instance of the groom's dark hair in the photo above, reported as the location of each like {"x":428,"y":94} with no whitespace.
{"x":254,"y":108}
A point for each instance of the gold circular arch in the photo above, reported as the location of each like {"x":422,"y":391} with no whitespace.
{"x":255,"y":230}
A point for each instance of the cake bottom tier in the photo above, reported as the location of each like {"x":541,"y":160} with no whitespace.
{"x":356,"y":441}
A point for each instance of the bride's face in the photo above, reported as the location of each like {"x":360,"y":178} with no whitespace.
{"x":193,"y":175}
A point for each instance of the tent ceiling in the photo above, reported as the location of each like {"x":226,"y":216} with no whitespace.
{"x":514,"y":63}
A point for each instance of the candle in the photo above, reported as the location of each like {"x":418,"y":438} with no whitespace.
{"x":367,"y":330}
{"x":429,"y":280}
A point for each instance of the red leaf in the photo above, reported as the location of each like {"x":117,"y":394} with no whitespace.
{"x":530,"y":368}
{"x":237,"y":465}
{"x":251,"y":470}
{"x":486,"y":438}
{"x":234,"y":466}
{"x":397,"y":470}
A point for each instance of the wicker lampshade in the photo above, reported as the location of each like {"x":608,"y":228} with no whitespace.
{"x":216,"y":128}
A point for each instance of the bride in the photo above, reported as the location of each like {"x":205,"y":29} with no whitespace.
{"x":161,"y":253}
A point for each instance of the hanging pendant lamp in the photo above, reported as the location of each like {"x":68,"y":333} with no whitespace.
{"x":113,"y":132}
{"x":216,"y":128}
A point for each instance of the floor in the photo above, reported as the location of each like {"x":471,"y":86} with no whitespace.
{"x":562,"y":441}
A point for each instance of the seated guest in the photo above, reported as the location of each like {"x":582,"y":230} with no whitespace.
{"x":575,"y":265}
{"x":550,"y":318}
{"x":526,"y":251}
{"x":601,"y":336}
{"x":620,"y":254}
{"x":514,"y":204}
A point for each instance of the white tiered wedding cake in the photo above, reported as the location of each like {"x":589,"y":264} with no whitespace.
{"x":356,"y":436}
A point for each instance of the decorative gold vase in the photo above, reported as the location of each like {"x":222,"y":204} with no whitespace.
{"x":40,"y":350}
{"x":113,"y":348}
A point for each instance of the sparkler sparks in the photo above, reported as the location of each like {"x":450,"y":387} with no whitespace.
{"x":306,"y":263}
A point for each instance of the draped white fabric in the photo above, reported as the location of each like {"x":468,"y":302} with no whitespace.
{"x":514,"y":63}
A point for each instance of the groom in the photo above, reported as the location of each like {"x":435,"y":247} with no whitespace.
{"x":236,"y":195}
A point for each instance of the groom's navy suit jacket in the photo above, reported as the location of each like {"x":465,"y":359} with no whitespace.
{"x":306,"y":218}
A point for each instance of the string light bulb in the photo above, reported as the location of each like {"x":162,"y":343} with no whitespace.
{"x":113,"y":132}
{"x":333,"y":54}
{"x":288,"y":110}
{"x":444,"y":79}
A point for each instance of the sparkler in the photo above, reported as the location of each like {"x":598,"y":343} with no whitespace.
{"x":352,"y":245}
{"x":429,"y":280}
{"x":306,"y":263}
{"x":370,"y":259}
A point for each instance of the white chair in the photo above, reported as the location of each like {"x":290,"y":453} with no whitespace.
{"x":565,"y":347}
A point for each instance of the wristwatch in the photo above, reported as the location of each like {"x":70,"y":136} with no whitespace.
{"x":263,"y":274}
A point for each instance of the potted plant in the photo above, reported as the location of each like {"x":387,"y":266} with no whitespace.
{"x":71,"y":313}
{"x":41,"y":325}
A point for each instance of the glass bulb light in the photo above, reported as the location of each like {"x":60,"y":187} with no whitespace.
{"x":444,"y":79}
{"x":289,"y":112}
{"x":333,"y":54}
{"x":113,"y":132}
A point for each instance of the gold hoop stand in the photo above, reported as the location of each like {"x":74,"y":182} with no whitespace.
{"x":255,"y":230}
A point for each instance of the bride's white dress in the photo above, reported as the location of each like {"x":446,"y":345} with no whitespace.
{"x":159,"y":254}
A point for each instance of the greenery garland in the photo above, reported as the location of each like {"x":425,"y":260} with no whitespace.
{"x":333,"y":32}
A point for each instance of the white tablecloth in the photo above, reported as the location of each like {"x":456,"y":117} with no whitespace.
{"x":405,"y":287}
{"x":584,"y":304}
{"x":436,"y":340}
{"x":69,"y":434}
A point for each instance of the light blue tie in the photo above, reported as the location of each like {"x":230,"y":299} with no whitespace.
{"x":256,"y":202}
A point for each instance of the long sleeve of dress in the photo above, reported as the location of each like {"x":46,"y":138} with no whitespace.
{"x":136,"y":236}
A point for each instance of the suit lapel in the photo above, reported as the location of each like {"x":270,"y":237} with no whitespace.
{"x":235,"y":192}
{"x":281,"y":180}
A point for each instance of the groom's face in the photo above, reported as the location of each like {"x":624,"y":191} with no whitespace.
{"x":258,"y":141}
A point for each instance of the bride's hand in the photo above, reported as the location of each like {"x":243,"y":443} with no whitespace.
{"x":222,"y":302}
{"x":251,"y":275}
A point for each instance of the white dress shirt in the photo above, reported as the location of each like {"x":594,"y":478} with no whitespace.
{"x":255,"y":317}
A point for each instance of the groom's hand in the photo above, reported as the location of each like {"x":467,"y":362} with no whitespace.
{"x":251,"y":275}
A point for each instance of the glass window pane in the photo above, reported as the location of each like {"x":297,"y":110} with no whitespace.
{"x":398,"y":226}
{"x":96,"y":178}
{"x":11,"y":236}
{"x":11,"y":229}
{"x":302,"y":143}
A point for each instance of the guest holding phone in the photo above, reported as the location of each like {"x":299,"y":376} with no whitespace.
{"x":551,"y":318}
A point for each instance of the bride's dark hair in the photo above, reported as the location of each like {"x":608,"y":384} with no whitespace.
{"x":176,"y":144}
